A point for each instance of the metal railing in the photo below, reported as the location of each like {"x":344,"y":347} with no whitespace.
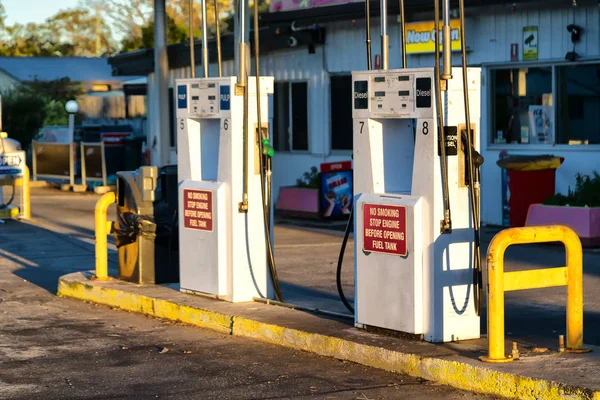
{"x":500,"y":282}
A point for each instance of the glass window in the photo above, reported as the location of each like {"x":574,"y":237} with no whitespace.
{"x":522,"y":105}
{"x":341,"y":119}
{"x":578,"y":100}
{"x":290,"y":119}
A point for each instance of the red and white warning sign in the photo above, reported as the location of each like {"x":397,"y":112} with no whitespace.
{"x":198,"y":209}
{"x":384,"y":229}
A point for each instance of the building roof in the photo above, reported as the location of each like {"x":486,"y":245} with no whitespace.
{"x":77,"y":69}
{"x":278,"y":25}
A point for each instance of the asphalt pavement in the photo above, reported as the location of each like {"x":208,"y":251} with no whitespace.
{"x":59,"y":348}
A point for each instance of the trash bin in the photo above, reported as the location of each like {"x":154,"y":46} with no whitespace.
{"x":140,"y":236}
{"x":531,"y":180}
{"x":133,"y":152}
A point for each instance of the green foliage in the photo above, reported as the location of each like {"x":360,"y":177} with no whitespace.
{"x":55,"y":113}
{"x":586,"y":193}
{"x":27,"y":108}
{"x":72,"y":32}
{"x":23,"y":114}
{"x":309,"y":179}
{"x":176,"y":33}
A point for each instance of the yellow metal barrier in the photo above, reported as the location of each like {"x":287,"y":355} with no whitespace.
{"x":26,"y":211}
{"x":499,"y":282}
{"x":102,"y":231}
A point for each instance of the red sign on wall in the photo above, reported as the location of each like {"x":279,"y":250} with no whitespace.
{"x":336,"y":166}
{"x":198,"y":209}
{"x":384,"y":229}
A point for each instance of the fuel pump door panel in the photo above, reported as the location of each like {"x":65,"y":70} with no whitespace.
{"x":389,"y":273}
{"x":203,"y":237}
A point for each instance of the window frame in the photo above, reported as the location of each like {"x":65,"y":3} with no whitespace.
{"x":488,"y":99}
{"x":289,"y":83}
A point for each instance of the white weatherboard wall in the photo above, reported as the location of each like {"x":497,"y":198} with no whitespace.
{"x":491,"y":47}
{"x":488,"y":41}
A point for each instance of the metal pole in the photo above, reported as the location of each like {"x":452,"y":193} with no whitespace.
{"x":103,"y":154}
{"x":218,"y":34}
{"x":71,"y":148}
{"x":403,"y":33}
{"x":161,"y":74}
{"x":446,"y":41}
{"x":384,"y":35}
{"x":1,"y":139}
{"x":34,"y":160}
{"x":204,"y":40}
{"x":192,"y":53}
{"x":83,"y":175}
{"x":71,"y":127}
{"x":368,"y":31}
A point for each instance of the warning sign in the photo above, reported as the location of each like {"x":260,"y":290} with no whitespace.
{"x":384,"y":229}
{"x":198,"y":209}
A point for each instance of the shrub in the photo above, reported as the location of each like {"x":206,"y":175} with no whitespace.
{"x":586,"y":193}
{"x":309,"y":179}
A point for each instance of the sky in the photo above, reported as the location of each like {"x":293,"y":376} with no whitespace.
{"x":34,"y":10}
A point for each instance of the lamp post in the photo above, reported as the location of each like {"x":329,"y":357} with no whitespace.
{"x":72,"y":107}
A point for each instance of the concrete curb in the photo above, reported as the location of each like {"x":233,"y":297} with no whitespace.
{"x":456,"y":374}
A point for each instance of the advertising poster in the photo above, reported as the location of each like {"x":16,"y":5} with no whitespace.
{"x":530,"y":43}
{"x":335,"y":193}
{"x":541,"y":119}
{"x":420,"y":36}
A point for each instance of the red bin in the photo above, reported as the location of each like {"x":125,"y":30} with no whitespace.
{"x":531,"y":180}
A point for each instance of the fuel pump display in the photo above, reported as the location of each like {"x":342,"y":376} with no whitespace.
{"x":412,"y":273}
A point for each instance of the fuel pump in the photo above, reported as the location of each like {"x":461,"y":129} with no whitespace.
{"x":225,"y":226}
{"x":417,"y":267}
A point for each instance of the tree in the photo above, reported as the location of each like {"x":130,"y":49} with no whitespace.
{"x":72,"y":32}
{"x":29,"y":107}
{"x":133,"y":19}
{"x":81,"y":29}
{"x":23,"y":114}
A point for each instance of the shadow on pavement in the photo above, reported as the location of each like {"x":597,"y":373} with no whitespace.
{"x":41,"y":256}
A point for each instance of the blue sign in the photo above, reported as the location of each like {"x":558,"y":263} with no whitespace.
{"x":225,"y":97}
{"x":182,"y":96}
{"x":336,"y":193}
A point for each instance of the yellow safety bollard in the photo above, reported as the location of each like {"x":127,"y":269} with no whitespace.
{"x":102,"y":231}
{"x":499,"y":282}
{"x":26,"y":195}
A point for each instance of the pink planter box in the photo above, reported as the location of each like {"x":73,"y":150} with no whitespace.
{"x":585,"y":221}
{"x":298,"y":201}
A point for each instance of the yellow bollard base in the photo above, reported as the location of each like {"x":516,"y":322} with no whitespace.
{"x":496,"y":360}
{"x":578,"y":351}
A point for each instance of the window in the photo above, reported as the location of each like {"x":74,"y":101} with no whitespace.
{"x":557,"y":104}
{"x":523,"y":105}
{"x":290,"y":119}
{"x":341,"y":118}
{"x":578,"y":93}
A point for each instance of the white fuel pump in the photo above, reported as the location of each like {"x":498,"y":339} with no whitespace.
{"x":222,"y":250}
{"x":225,"y":244}
{"x":225,"y":212}
{"x":410,"y":275}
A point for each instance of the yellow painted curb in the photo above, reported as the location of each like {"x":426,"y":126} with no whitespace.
{"x":451,"y":373}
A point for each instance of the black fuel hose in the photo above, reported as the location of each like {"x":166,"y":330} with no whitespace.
{"x":338,"y":276}
{"x":264,"y":175}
